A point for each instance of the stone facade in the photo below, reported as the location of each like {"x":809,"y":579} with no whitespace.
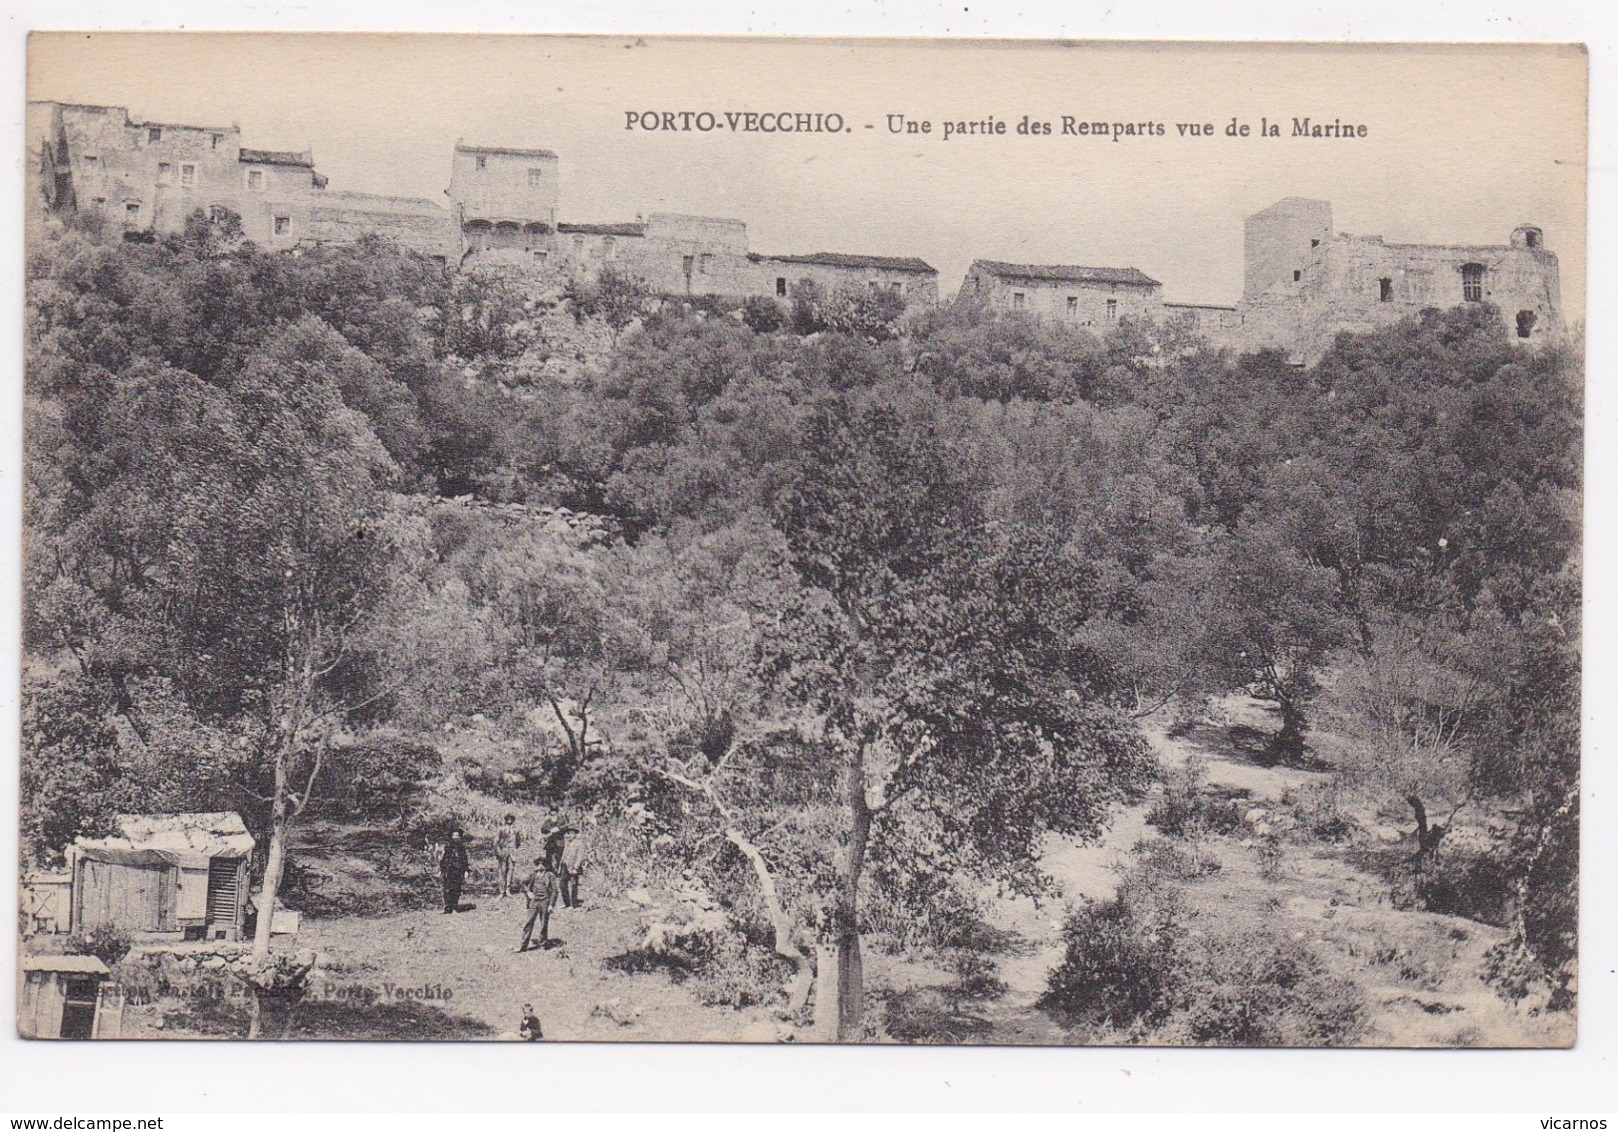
{"x":1303,"y":283}
{"x":914,"y":280}
{"x":1093,"y":297}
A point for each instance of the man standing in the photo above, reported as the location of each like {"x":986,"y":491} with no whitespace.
{"x":541,"y":888}
{"x":571,"y":866}
{"x":507,"y":841}
{"x":453,"y":869}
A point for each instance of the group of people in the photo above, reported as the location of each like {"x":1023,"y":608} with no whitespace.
{"x":554,"y":877}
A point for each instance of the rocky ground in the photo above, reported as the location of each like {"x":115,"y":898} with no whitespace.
{"x":391,"y":969}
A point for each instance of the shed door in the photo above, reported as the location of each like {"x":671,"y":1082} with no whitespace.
{"x":79,"y":1009}
{"x":137,"y":898}
{"x":224,"y":889}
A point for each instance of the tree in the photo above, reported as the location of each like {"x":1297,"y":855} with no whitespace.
{"x":615,"y":297}
{"x":1420,"y":699}
{"x":933,"y":664}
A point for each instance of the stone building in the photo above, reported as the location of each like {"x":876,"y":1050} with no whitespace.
{"x":672,"y":253}
{"x":144,"y":178}
{"x":1305,"y":284}
{"x":1094,"y":297}
{"x":505,"y":199}
{"x":914,"y":280}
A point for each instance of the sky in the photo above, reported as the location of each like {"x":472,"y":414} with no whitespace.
{"x":1462,"y":143}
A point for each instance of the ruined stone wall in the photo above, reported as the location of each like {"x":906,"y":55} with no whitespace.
{"x":417,"y":225}
{"x":1218,"y":325}
{"x":1359,"y":283}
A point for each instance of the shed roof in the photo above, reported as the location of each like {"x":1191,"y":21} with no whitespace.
{"x":185,"y":836}
{"x":67,"y":964}
{"x":1065,"y":273}
{"x":843,"y":259}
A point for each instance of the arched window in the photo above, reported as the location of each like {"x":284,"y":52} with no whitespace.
{"x":1525,"y":323}
{"x":1472,"y":282}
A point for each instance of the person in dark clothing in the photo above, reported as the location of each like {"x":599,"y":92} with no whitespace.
{"x":530,"y":1030}
{"x":453,"y":868}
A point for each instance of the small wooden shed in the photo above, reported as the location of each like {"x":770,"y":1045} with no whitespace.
{"x":166,"y":876}
{"x":60,"y":996}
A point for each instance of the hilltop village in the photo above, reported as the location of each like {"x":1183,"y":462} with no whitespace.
{"x":1303,"y":283}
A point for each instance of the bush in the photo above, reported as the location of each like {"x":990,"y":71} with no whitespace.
{"x":1319,"y":811}
{"x":1189,"y":807}
{"x":1259,"y":989}
{"x":762,"y":315}
{"x":107,"y":943}
{"x":1121,"y":965}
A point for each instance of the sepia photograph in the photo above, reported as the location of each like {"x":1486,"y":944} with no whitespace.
{"x":900,"y":542}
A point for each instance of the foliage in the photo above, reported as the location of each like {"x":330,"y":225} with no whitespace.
{"x":107,"y":942}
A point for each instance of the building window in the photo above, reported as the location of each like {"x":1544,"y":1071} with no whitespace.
{"x":536,"y":177}
{"x":1531,"y":238}
{"x":1385,"y":290}
{"x":165,"y":172}
{"x":706,"y":264}
{"x":578,"y":246}
{"x":781,"y":286}
{"x":153,"y":135}
{"x":1017,"y":300}
{"x":687,"y":263}
{"x":1112,"y":310}
{"x":188,"y":175}
{"x":1314,"y":243}
{"x":213,"y":141}
{"x":97,"y":203}
{"x":91,"y":162}
{"x":540,"y":256}
{"x":255,"y":180}
{"x":483,"y":162}
{"x":283,"y":225}
{"x":1472,"y":282}
{"x":1525,"y":323}
{"x":1297,"y":276}
{"x":1073,"y":306}
{"x":132,"y":212}
{"x":607,"y":245}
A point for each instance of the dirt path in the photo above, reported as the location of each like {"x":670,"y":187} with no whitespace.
{"x":472,"y":956}
{"x":1093,"y":871}
{"x":1421,"y":973}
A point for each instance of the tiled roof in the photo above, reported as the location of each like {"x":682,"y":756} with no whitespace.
{"x":277,"y":157}
{"x":840,"y":259}
{"x":1066,"y":273}
{"x":502,"y":149}
{"x":631,"y":228}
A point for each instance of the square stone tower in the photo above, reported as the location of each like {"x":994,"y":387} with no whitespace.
{"x":1281,"y":240}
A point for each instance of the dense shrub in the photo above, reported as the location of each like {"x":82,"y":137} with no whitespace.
{"x":1189,"y":807}
{"x":1122,"y":960}
{"x":1319,"y":811}
{"x":107,"y":943}
{"x":1259,"y":989}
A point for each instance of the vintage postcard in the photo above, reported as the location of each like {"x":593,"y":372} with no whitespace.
{"x":614,"y":539}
